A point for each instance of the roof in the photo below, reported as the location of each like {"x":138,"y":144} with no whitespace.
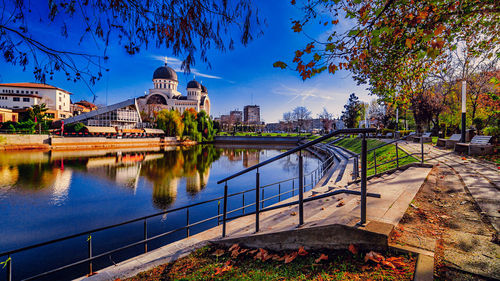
{"x":87,"y":115}
{"x":193,"y":84}
{"x":165,"y":72}
{"x":33,"y":85}
{"x":153,"y":131}
{"x":86,"y":104}
{"x":95,"y":129}
{"x":204,"y":89}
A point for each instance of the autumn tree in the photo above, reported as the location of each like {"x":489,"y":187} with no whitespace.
{"x":301,"y":114}
{"x":170,"y":121}
{"x":386,"y":42}
{"x":186,"y":28}
{"x":189,"y":118}
{"x":205,"y":126}
{"x":352,"y":112}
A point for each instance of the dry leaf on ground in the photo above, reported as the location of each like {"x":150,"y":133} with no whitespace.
{"x":290,"y":257}
{"x":353,"y":249}
{"x":302,"y":251}
{"x":218,"y":252}
{"x":323,"y":257}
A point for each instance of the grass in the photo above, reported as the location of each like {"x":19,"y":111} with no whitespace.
{"x":339,"y":265}
{"x":382,"y":154}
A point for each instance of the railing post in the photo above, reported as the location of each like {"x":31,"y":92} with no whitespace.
{"x":224,"y":211}
{"x":293,"y":187}
{"x":397,"y":156}
{"x":243,"y":195}
{"x":374,"y":162}
{"x":257,"y":200}
{"x":279,"y":192}
{"x":301,"y":189}
{"x":9,"y":268}
{"x":145,"y":235}
{"x":363,"y":180}
{"x":312,"y":181}
{"x":89,"y":244}
{"x":187,"y":222}
{"x":422,"y":148}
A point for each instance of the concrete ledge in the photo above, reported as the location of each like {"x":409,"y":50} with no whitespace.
{"x":373,"y":236}
{"x":256,"y":139}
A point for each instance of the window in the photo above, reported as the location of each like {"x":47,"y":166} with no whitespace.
{"x":60,"y":108}
{"x":17,"y":91}
{"x":26,"y":99}
{"x":22,"y":92}
{"x":60,"y":99}
{"x":16,"y":99}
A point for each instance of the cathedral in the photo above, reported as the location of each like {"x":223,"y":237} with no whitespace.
{"x":164,"y":94}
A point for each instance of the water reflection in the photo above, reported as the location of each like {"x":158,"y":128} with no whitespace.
{"x":164,"y":169}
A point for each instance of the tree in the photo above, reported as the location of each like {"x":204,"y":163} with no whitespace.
{"x":388,"y":41}
{"x":187,"y":28}
{"x":301,"y":114}
{"x":352,"y":111}
{"x":205,"y":126}
{"x":37,"y":112}
{"x":326,"y":120}
{"x":191,"y":125}
{"x":170,"y":121}
{"x":288,"y":119}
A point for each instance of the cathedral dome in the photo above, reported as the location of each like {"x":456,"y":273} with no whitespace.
{"x":165,"y":72}
{"x":194,"y":84}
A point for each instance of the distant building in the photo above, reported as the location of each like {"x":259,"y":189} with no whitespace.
{"x":251,"y":114}
{"x":82,"y":106}
{"x":19,"y":96}
{"x":164,"y":94}
{"x":235,"y":117}
{"x":7,"y":115}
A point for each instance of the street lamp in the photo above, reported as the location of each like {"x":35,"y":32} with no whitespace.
{"x":464,"y":86}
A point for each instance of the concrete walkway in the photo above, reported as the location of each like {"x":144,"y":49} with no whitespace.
{"x":397,"y":190}
{"x":481,"y":178}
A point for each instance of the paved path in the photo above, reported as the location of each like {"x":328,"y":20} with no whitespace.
{"x":397,"y":190}
{"x":481,"y":178}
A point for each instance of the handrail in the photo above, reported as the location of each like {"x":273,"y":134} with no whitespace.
{"x":299,"y":148}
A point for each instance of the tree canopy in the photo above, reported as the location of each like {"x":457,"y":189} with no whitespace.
{"x":187,"y":28}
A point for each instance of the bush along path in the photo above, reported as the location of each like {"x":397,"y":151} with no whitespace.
{"x":239,"y":263}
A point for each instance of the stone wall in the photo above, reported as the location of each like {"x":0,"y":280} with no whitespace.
{"x":256,"y":139}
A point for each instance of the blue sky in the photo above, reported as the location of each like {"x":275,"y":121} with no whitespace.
{"x":236,"y":77}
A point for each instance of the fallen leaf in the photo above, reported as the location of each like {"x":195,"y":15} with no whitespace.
{"x":341,"y":203}
{"x":323,"y":257}
{"x":293,"y":213}
{"x":353,"y":249}
{"x":388,"y":264}
{"x":374,"y":256}
{"x":338,"y":199}
{"x":234,"y":247}
{"x":253,"y":251}
{"x":302,"y":251}
{"x":290,"y":257}
{"x":397,"y":261}
{"x":218,"y":252}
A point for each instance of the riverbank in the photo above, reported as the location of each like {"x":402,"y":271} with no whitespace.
{"x":49,"y":142}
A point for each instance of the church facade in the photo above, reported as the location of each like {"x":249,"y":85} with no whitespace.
{"x":164,"y":94}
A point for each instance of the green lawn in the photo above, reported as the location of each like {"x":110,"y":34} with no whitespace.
{"x":382,"y":154}
{"x":211,"y":263}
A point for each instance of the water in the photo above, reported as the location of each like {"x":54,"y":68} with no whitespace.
{"x":47,"y":195}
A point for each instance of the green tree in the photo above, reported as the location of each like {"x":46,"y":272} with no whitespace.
{"x":170,"y":121}
{"x":205,"y":126}
{"x":352,"y":112}
{"x":191,"y":125}
{"x":37,"y":112}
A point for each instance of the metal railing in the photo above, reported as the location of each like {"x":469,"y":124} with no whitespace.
{"x":301,"y":200}
{"x":314,"y":176}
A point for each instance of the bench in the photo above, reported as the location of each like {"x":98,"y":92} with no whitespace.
{"x":449,"y":143}
{"x":424,"y":138}
{"x":479,"y":145}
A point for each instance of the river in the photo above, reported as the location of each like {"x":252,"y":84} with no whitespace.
{"x":46,"y":195}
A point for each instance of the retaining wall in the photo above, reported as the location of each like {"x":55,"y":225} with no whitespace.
{"x":256,"y":139}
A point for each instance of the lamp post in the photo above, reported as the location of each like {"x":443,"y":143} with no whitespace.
{"x":464,"y":86}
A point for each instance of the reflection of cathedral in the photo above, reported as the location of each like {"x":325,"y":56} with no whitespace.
{"x":164,"y":94}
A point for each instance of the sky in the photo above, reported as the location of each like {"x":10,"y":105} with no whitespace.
{"x":236,"y":78}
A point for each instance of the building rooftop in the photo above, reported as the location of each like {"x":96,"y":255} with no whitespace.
{"x":33,"y":85}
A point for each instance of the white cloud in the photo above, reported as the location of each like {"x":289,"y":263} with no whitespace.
{"x":176,"y":65}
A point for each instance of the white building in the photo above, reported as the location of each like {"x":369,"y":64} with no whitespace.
{"x":25,"y":95}
{"x":164,"y":94}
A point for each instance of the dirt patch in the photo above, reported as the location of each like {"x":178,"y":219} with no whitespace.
{"x":444,"y":218}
